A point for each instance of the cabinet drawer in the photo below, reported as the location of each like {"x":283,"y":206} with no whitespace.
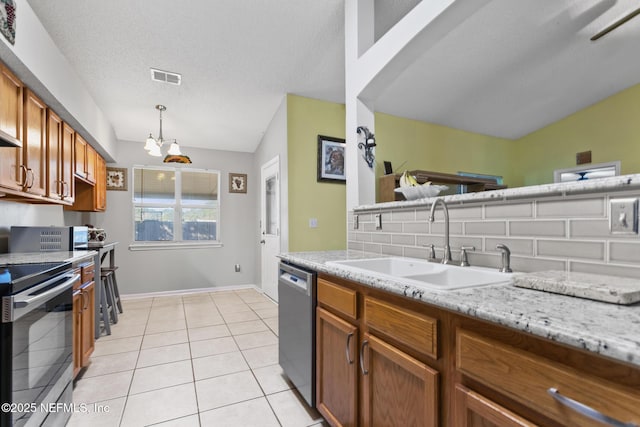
{"x":87,"y":272}
{"x":340,"y":299}
{"x":527,"y":378}
{"x":415,"y":330}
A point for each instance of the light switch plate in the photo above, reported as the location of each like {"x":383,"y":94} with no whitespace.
{"x":623,"y":216}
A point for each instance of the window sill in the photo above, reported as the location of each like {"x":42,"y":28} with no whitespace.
{"x":172,"y":246}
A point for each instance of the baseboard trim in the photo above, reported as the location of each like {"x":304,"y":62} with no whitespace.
{"x":189,"y":291}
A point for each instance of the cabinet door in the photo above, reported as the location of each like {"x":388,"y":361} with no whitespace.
{"x":91,"y":164}
{"x":336,"y":369}
{"x":88,"y":314}
{"x":80,"y":147}
{"x":11,"y":93}
{"x":54,"y":151}
{"x":35,"y":144}
{"x":398,"y":390}
{"x":475,"y":410}
{"x":67,"y":163}
{"x":77,"y":332}
{"x":101,"y":184}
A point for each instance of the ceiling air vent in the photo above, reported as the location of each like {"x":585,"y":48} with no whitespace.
{"x":165,"y":76}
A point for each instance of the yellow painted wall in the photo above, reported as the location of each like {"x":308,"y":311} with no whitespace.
{"x":610,"y":129}
{"x":306,"y":119}
{"x":411,"y":144}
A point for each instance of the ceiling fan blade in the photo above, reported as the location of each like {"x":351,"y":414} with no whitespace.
{"x":616,"y":24}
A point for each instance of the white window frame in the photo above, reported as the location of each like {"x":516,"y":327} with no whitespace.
{"x":177,"y":220}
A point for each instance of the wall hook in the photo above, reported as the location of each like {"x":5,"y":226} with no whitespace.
{"x":367,"y":145}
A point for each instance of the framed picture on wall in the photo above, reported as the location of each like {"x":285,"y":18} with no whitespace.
{"x":117,"y":179}
{"x":237,"y":183}
{"x":331,"y":155}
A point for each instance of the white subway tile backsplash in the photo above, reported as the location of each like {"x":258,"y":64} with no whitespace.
{"x":371,"y":247}
{"x":567,"y":233}
{"x":496,"y":228}
{"x":422,"y":253}
{"x":571,"y":249}
{"x":392,"y":250}
{"x":530,"y":264}
{"x":407,"y":215}
{"x":403,"y":239}
{"x":589,"y":228}
{"x":511,"y":210}
{"x":608,"y":269}
{"x":537,"y":228}
{"x":466,"y":212}
{"x":437,"y":227}
{"x":574,"y":208}
{"x":380,"y":238}
{"x":415,"y":227}
{"x":624,"y":252}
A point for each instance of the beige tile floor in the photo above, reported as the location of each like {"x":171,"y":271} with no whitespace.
{"x":207,"y":359}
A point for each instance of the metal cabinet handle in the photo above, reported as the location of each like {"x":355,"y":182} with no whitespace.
{"x":349,"y":360}
{"x":364,"y":344}
{"x":33,"y":178}
{"x":23,"y":182}
{"x":587,"y":411}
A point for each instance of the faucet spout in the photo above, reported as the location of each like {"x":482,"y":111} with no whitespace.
{"x":446,"y":258}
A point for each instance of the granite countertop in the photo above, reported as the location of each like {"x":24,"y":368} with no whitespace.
{"x":36,"y":257}
{"x":607,"y":329}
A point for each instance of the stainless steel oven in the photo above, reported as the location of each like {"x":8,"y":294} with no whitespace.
{"x":37,"y":344}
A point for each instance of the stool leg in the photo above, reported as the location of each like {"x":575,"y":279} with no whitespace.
{"x":104,"y":309}
{"x":116,"y":293}
{"x":111,"y":298}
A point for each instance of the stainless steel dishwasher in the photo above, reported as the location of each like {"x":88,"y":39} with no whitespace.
{"x":296,"y":328}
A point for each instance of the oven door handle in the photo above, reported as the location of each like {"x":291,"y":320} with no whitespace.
{"x":23,"y":304}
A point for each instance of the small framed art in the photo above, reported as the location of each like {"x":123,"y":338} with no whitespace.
{"x":117,"y":179}
{"x":237,"y":182}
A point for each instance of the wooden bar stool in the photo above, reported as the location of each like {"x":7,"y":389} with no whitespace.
{"x":114,"y":284}
{"x":106,"y":277}
{"x":104,"y":307}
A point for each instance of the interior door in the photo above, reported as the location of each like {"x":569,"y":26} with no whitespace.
{"x":270,"y":226}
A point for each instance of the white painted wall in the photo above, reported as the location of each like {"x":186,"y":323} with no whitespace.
{"x":38,"y":62}
{"x":273,"y":143}
{"x":182,"y":269}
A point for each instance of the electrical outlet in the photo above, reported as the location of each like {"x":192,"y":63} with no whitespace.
{"x":356,"y":222}
{"x":623,"y":216}
{"x":378,"y":221}
{"x":237,"y":268}
{"x":313,"y":222}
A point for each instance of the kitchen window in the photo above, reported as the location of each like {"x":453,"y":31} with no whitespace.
{"x":174,"y":205}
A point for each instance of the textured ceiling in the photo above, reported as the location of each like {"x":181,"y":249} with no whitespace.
{"x":511,"y":68}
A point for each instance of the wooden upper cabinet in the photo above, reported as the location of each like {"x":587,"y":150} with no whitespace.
{"x":11,"y":104}
{"x":101,"y":183}
{"x":11,"y":90}
{"x":85,"y":160}
{"x":34,"y":150}
{"x":67,"y":163}
{"x":60,"y":159}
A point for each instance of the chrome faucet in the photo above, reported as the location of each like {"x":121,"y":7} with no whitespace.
{"x":506,"y":258}
{"x":446,"y":257}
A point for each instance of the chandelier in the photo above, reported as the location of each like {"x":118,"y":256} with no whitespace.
{"x":153,"y":145}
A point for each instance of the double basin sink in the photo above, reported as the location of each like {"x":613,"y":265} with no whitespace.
{"x":424,"y":274}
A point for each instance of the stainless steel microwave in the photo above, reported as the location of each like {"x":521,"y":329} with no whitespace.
{"x":48,"y":239}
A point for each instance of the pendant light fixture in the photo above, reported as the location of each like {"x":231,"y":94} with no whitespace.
{"x":153,"y":145}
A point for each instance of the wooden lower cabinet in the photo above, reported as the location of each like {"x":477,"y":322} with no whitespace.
{"x":336,"y":369}
{"x":84,"y":317}
{"x":385,"y":360}
{"x":475,"y":410}
{"x":398,"y":390}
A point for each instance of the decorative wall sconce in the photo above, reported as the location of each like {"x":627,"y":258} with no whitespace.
{"x":367,"y":145}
